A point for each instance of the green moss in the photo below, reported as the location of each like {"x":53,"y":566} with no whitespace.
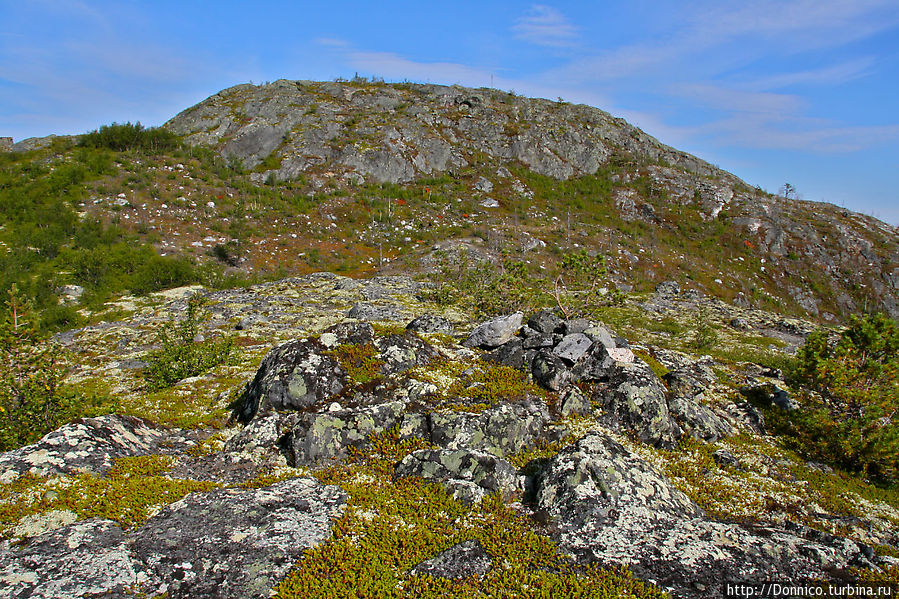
{"x":359,"y":360}
{"x":390,"y":526}
{"x":476,"y":385}
{"x":127,"y":493}
{"x":657,"y":367}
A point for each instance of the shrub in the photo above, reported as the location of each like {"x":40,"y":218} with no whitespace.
{"x":127,"y":137}
{"x":32,"y":400}
{"x":181,"y":355}
{"x":853,"y":423}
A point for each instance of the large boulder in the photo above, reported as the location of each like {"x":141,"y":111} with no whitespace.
{"x":501,"y":430}
{"x":635,"y":399}
{"x":611,"y":507}
{"x":85,"y":445}
{"x":467,"y":475}
{"x":318,"y":437}
{"x":87,"y":559}
{"x":495,"y":332}
{"x":294,"y":376}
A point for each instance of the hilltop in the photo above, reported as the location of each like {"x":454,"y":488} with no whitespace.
{"x":364,"y":339}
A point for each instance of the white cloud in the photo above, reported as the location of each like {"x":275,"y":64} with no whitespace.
{"x":545,"y":26}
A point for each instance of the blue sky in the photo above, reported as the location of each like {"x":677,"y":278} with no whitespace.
{"x":798,"y":91}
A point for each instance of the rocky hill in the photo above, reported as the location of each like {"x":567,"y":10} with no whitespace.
{"x":389,"y":340}
{"x":501,"y":160}
{"x":362,"y":441}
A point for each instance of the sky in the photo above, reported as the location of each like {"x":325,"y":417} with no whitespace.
{"x":804,"y":92}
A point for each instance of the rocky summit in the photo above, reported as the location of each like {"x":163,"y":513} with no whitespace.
{"x":430,"y":454}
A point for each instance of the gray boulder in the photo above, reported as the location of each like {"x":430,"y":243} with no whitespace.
{"x":546,"y":322}
{"x":431,"y":323}
{"x":495,"y":332}
{"x":575,"y":403}
{"x":402,"y":352}
{"x":573,"y":347}
{"x":467,"y":475}
{"x":324,"y":436}
{"x":549,"y":370}
{"x":87,"y":444}
{"x":294,"y":376}
{"x":635,"y":399}
{"x":608,"y":506}
{"x":512,"y":354}
{"x":501,"y":430}
{"x":698,"y":421}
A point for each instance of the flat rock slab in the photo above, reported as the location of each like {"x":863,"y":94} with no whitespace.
{"x":572,"y":347}
{"x":88,"y":559}
{"x":226,"y":544}
{"x":86,"y":445}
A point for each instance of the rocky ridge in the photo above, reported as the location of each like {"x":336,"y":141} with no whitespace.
{"x":580,"y":435}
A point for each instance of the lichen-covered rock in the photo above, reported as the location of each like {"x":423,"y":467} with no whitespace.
{"x":261,"y":437}
{"x":88,"y":559}
{"x":402,"y":352}
{"x":374,"y":312}
{"x":323,"y":436}
{"x":431,"y":323}
{"x":610,"y":506}
{"x":293,"y":376}
{"x":635,"y":399}
{"x":466,"y":474}
{"x":698,"y":421}
{"x":459,"y":561}
{"x":745,"y":414}
{"x":549,"y":370}
{"x":495,"y":332}
{"x":501,"y":430}
{"x":85,"y":445}
{"x":770,"y":394}
{"x":575,"y":403}
{"x":237,"y":544}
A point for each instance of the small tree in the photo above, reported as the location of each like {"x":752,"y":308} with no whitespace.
{"x":31,"y":399}
{"x":787,"y":191}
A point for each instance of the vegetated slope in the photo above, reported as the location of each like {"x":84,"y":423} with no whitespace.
{"x":567,"y":175}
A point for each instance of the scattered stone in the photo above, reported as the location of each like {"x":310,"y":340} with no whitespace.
{"x":668,"y":288}
{"x":372,"y":312}
{"x":698,"y":421}
{"x":747,"y":415}
{"x":431,"y":323}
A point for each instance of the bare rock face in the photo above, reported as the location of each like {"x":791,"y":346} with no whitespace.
{"x":611,"y":507}
{"x":495,"y":332}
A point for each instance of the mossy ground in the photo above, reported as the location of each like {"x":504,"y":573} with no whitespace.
{"x":129,"y":494}
{"x":392,"y":525}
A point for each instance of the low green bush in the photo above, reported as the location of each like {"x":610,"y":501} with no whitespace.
{"x":33,"y":398}
{"x":181,"y":354}
{"x":851,"y":422}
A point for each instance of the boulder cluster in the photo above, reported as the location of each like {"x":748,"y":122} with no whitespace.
{"x":314,"y":399}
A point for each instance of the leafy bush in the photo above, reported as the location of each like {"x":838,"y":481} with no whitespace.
{"x":33,"y":399}
{"x":181,"y":355}
{"x":853,"y":424}
{"x":128,"y":137}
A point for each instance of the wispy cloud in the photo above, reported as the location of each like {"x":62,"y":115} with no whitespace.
{"x":832,"y":75}
{"x":545,"y":26}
